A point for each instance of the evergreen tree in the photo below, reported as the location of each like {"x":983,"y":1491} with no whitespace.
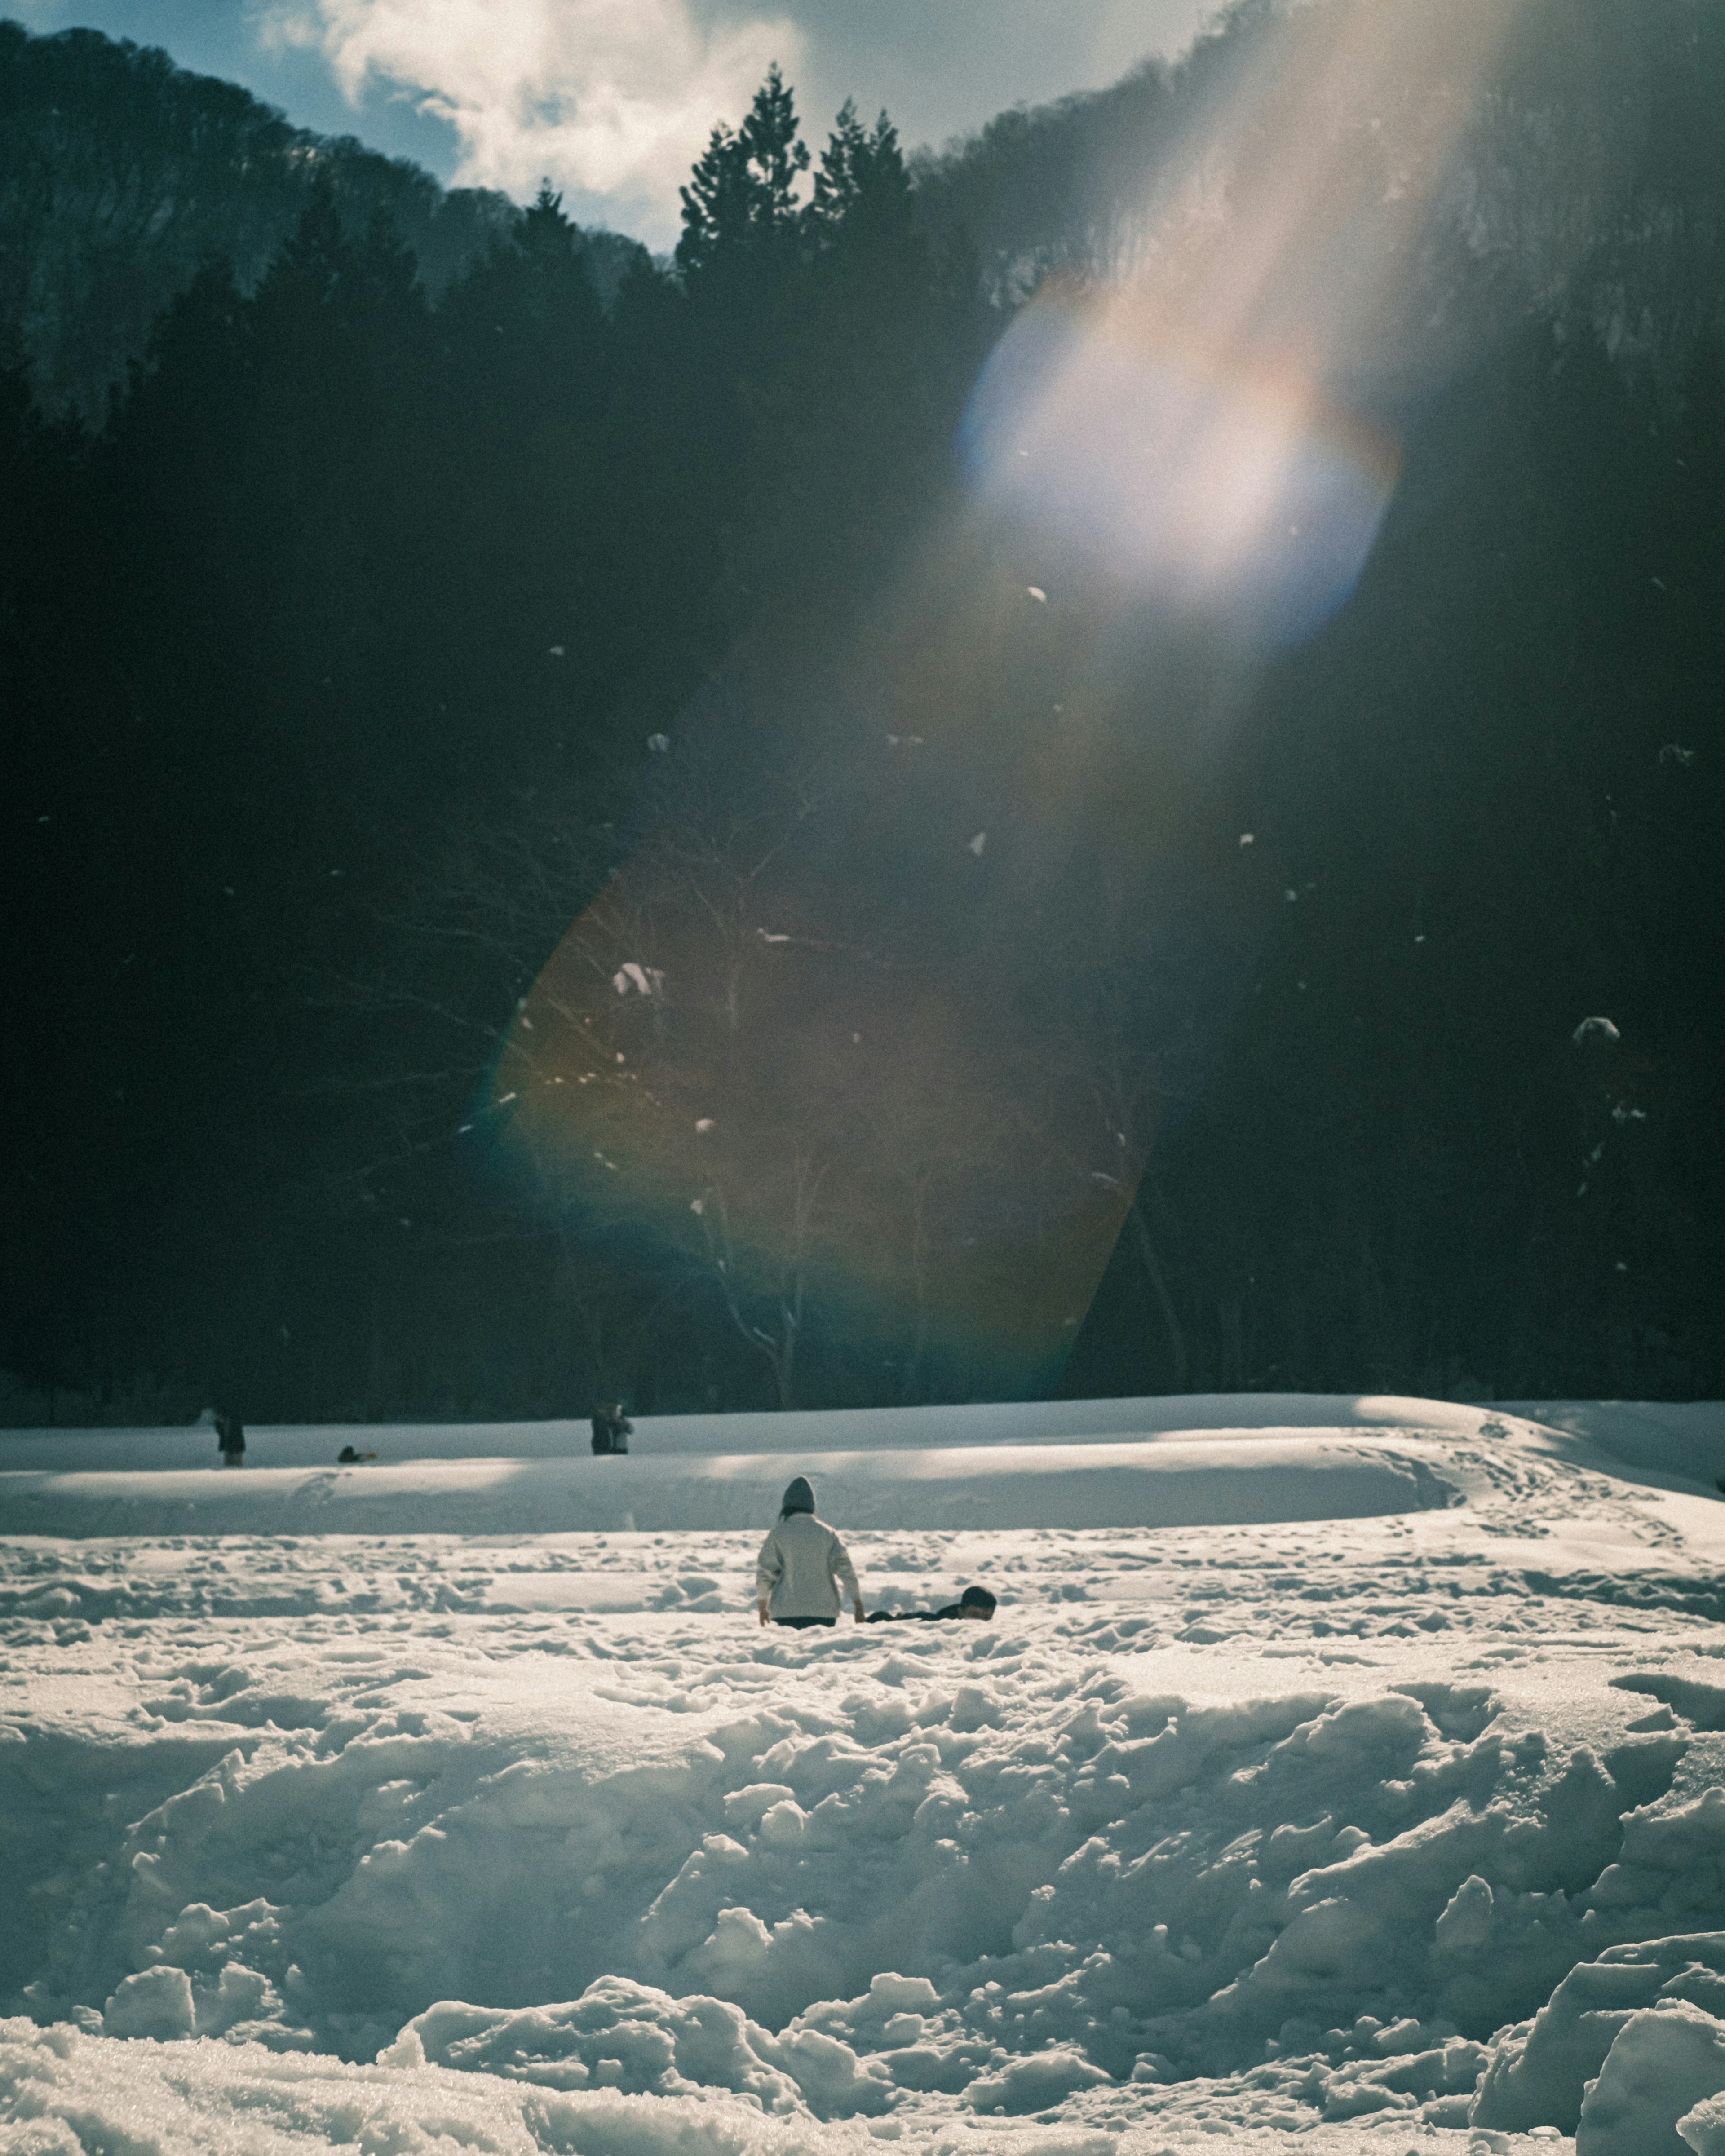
{"x":862,"y":190}
{"x":739,"y":209}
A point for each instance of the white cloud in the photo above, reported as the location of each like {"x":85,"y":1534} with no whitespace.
{"x":611,"y":98}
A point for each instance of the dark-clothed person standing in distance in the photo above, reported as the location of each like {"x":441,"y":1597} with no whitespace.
{"x":801,"y":1566}
{"x":230,"y":1439}
{"x":611,"y":1428}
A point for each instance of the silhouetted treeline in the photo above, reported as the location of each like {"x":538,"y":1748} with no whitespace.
{"x":1493,"y":788}
{"x":337,"y":667}
{"x":350,"y":569}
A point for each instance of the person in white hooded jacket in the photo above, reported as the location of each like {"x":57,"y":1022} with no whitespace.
{"x":801,"y":1566}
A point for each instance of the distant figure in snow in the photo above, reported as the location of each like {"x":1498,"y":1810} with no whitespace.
{"x":611,"y":1428}
{"x":347,"y":1457}
{"x":976,"y":1605}
{"x":230,"y":1438}
{"x":801,"y":1566}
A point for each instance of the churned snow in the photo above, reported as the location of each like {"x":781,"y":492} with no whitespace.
{"x":1351,"y":1769}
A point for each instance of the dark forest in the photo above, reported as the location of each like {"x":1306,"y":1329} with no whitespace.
{"x":419,"y":624}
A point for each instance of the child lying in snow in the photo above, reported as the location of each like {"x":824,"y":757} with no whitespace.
{"x":976,"y":1603}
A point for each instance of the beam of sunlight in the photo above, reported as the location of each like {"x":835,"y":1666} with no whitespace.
{"x":881,"y":1025}
{"x":1211,"y":432}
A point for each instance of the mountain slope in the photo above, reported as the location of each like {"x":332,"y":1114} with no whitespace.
{"x":120,"y":173}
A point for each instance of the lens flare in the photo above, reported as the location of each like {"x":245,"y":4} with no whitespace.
{"x":919,"y":955}
{"x":1209,"y":432}
{"x":1135,"y":456}
{"x":822,"y":1142}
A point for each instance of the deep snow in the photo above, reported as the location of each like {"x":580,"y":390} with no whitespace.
{"x":1318,"y":1746}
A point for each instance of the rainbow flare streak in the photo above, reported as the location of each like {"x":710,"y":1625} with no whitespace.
{"x":844,"y":1035}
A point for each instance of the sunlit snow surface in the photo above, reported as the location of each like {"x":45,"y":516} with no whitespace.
{"x":1303,"y":1712}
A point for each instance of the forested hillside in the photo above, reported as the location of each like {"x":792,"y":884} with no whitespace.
{"x":120,"y":173}
{"x":1584,"y":172}
{"x":560,"y":850}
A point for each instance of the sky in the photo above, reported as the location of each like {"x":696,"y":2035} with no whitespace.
{"x":613,"y":99}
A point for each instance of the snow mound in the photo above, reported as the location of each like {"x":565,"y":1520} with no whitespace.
{"x":1662,"y":2065}
{"x":1076,"y":1877}
{"x":636,"y":2038}
{"x":1161,"y":1418}
{"x":1303,"y":1475}
{"x":1703,"y":2128}
{"x":62,"y":2093}
{"x":1541,"y":2070}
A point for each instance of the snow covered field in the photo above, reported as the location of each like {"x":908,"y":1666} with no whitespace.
{"x":456,"y":1801}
